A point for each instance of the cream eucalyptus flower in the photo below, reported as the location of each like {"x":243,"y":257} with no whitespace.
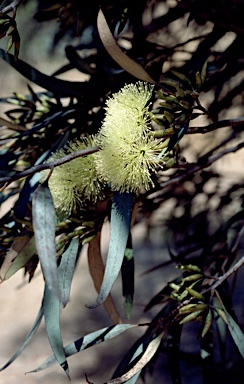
{"x":128,"y":154}
{"x":74,"y":182}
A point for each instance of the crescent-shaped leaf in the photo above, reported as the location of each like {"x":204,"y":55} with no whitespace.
{"x":116,"y":52}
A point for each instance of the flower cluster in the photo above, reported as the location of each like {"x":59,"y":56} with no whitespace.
{"x":128,"y":155}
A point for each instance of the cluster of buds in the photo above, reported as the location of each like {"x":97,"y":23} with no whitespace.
{"x":193,"y":305}
{"x":176,"y":103}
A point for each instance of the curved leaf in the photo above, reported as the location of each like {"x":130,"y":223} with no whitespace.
{"x":96,"y":268}
{"x":116,"y":52}
{"x":87,"y":341}
{"x":51,"y":308}
{"x":27,"y":339}
{"x":44,"y":221}
{"x":233,"y":327}
{"x":66,"y":270}
{"x":119,"y":232}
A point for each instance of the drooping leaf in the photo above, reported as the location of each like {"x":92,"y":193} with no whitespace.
{"x":234,"y":329}
{"x":116,"y":52}
{"x":66,"y":270}
{"x":44,"y":221}
{"x":87,"y":341}
{"x":146,"y":357}
{"x":57,"y":86}
{"x":22,"y":249}
{"x":119,"y":232}
{"x":27,"y":339}
{"x":51,"y":308}
{"x":96,"y":268}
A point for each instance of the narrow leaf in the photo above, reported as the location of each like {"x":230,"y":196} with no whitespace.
{"x":87,"y":341}
{"x":51,"y":307}
{"x":52,"y":84}
{"x":234,"y":329}
{"x":23,"y":257}
{"x":22,"y":247}
{"x":116,"y":52}
{"x":96,"y":268}
{"x":146,"y":357}
{"x":119,"y":232}
{"x":27,"y":339}
{"x":66,"y":270}
{"x":44,"y":221}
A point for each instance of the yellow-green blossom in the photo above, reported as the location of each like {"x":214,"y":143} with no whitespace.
{"x":127,"y":165}
{"x":129,"y":104}
{"x":128,"y":153}
{"x":74,"y":182}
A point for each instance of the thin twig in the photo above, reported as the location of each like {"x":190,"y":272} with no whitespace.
{"x":183,"y":176}
{"x":226,"y":275}
{"x":51,"y":165}
{"x":219,"y":124}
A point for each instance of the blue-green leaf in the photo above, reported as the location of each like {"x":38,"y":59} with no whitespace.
{"x":51,"y":308}
{"x":27,"y":339}
{"x":66,"y":270}
{"x":87,"y":341}
{"x":119,"y":232}
{"x":44,"y":221}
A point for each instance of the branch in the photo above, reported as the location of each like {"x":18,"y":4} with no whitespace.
{"x":51,"y":165}
{"x":226,"y":275}
{"x":187,"y":173}
{"x":218,"y":124}
{"x":11,"y":7}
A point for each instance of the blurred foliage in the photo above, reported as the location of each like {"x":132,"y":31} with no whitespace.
{"x":193,"y":51}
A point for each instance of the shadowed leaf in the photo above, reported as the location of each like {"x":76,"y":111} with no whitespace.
{"x":57,"y":86}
